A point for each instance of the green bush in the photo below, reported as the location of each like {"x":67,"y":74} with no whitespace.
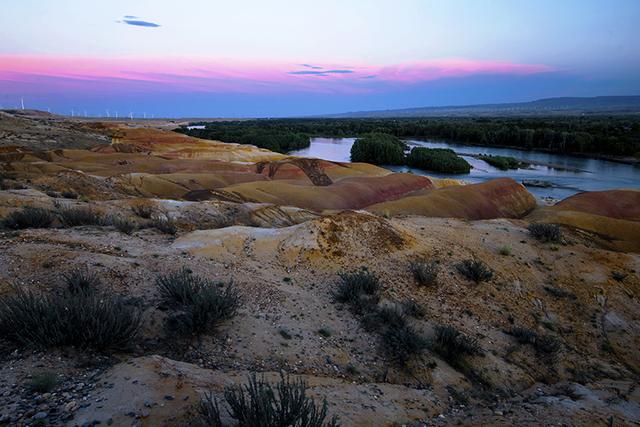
{"x":546,"y":232}
{"x":43,"y":382}
{"x":475,"y":270}
{"x":262,"y":404}
{"x":425,"y":273}
{"x":401,"y":343}
{"x":388,"y":316}
{"x":122,"y":224}
{"x":524,"y":335}
{"x":360,"y":289}
{"x":502,"y":162}
{"x":180,"y":287}
{"x":545,"y":344}
{"x":378,"y":149}
{"x":69,"y":194}
{"x":164,"y":225}
{"x":452,"y":345}
{"x":144,"y":209}
{"x":438,"y":160}
{"x":29,"y":217}
{"x":97,"y":320}
{"x":413,"y":309}
{"x":77,"y":216}
{"x":324,"y":332}
{"x":201,"y":305}
{"x":81,"y":280}
{"x":505,"y":250}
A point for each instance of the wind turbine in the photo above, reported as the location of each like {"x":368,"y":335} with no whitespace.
{"x":131,"y":115}
{"x":22,"y":102}
{"x":108,"y":113}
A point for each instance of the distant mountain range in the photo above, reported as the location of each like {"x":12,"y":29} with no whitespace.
{"x":540,"y":107}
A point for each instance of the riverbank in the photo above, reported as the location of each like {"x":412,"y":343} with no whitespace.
{"x":566,"y":175}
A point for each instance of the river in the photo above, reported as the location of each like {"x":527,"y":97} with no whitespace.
{"x":567,"y":175}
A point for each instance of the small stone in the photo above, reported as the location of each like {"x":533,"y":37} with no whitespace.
{"x":40,"y":415}
{"x":71,"y":406}
{"x":148,"y":403}
{"x":168,"y":397}
{"x":145,"y":413}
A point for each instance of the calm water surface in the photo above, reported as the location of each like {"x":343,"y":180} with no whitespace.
{"x":568,"y":175}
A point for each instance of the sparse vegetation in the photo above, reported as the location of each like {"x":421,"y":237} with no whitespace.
{"x":324,"y":332}
{"x":505,"y":250}
{"x":262,"y":404}
{"x":351,"y":369}
{"x":413,"y":309}
{"x":452,"y":345}
{"x":524,"y":335}
{"x":77,"y":216}
{"x":29,"y":217}
{"x":43,"y":382}
{"x":164,"y":225}
{"x":69,"y":194}
{"x":475,"y":270}
{"x":81,"y":280}
{"x":546,"y":232}
{"x":618,"y":276}
{"x":201,"y":304}
{"x":360,"y":289}
{"x":399,"y":341}
{"x":285,"y":334}
{"x":559,"y":293}
{"x":402,"y":343}
{"x":180,"y":287}
{"x":97,"y":319}
{"x":425,"y":273}
{"x":122,"y":224}
{"x":545,"y":344}
{"x":145,"y":209}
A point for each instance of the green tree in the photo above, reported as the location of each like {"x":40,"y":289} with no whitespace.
{"x":378,"y":149}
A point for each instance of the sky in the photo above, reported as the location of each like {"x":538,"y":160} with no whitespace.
{"x":241,"y":58}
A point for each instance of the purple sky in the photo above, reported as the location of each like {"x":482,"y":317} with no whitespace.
{"x":283,"y":58}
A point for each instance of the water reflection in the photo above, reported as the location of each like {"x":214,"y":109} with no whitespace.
{"x":567,"y":174}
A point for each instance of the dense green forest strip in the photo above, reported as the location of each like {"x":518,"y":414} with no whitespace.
{"x":593,"y":135}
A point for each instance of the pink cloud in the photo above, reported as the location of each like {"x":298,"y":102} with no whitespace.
{"x":231,"y":76}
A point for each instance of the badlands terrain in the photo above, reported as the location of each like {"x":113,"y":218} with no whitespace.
{"x":555,"y":326}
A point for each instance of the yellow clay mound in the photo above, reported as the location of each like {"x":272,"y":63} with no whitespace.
{"x":612,"y":216}
{"x":498,"y":198}
{"x":348,"y":193}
